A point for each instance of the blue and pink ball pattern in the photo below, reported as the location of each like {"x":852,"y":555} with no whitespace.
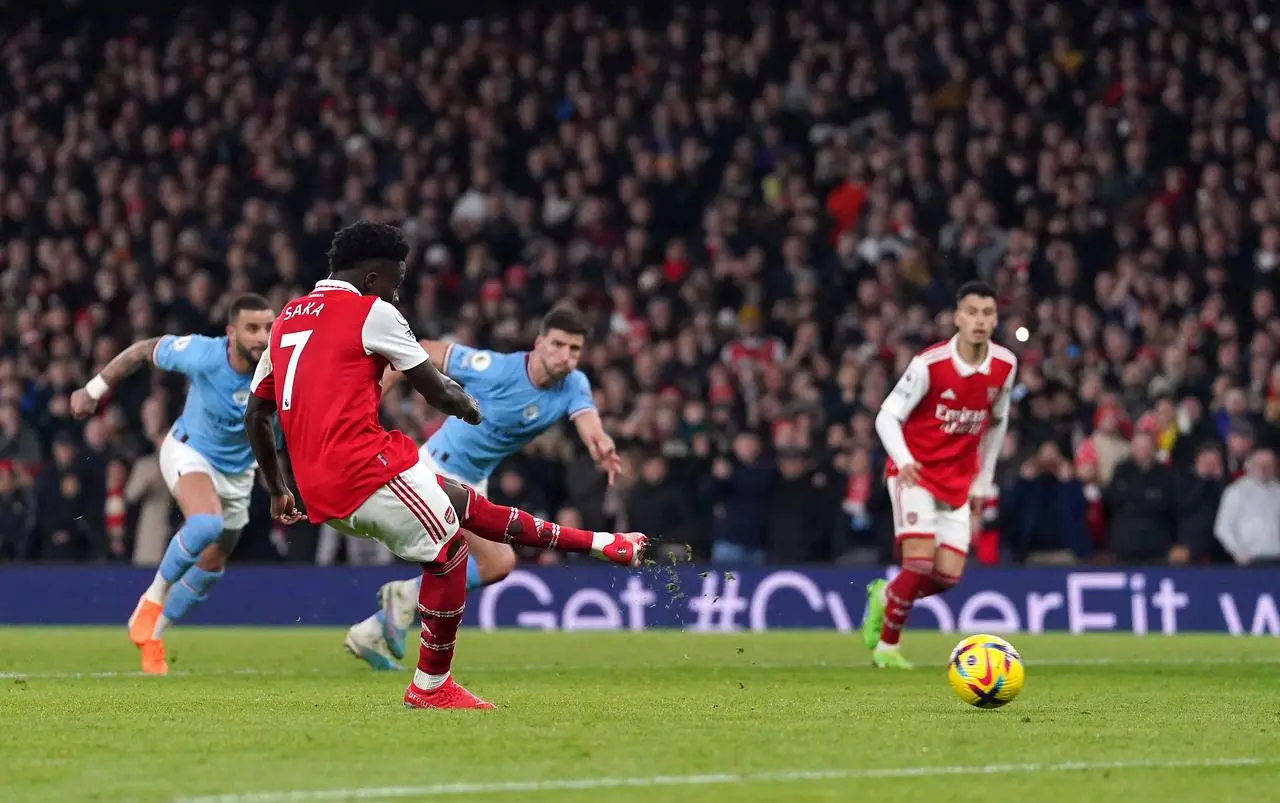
{"x":985,"y":671}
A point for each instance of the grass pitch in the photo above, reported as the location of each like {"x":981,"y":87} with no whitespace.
{"x":269,"y":716}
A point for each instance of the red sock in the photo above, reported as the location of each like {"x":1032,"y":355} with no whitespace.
{"x":508,"y":525}
{"x":441,"y":600}
{"x":937,"y":583}
{"x":900,"y":595}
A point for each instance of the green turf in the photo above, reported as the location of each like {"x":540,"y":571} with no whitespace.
{"x":255,"y":711}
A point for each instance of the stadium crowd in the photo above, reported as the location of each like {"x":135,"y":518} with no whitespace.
{"x":764,"y":211}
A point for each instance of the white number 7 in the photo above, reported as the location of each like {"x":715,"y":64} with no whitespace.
{"x":296,"y":341}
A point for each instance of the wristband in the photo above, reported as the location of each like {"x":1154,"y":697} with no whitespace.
{"x":97,"y":387}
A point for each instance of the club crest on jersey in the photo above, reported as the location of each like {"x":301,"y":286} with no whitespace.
{"x":240,"y":397}
{"x":992,"y":393}
{"x":479,"y":361}
{"x":912,"y":518}
{"x":449,"y":515}
{"x":529,"y":413}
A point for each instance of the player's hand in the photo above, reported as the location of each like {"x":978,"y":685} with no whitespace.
{"x":284,"y":510}
{"x":469,"y":410}
{"x":82,"y":404}
{"x":909,"y":474}
{"x":1179,"y":555}
{"x":605,"y":454}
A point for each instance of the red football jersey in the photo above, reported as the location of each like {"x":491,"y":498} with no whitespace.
{"x":323,"y":369}
{"x":945,"y":406}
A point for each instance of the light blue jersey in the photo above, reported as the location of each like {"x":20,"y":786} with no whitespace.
{"x":515,"y":410}
{"x":212,"y":420}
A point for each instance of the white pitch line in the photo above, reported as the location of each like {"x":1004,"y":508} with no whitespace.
{"x":330,"y":672}
{"x":721,"y":778}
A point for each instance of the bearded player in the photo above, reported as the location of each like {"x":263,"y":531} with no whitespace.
{"x":322,"y":373}
{"x":205,"y":461}
{"x":521,"y":395}
{"x":941,"y":426}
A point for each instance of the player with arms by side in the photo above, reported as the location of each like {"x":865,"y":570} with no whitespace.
{"x":521,"y":395}
{"x":323,"y":373}
{"x":941,"y":426}
{"x":205,"y":460}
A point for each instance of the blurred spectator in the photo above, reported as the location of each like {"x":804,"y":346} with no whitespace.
{"x":658,"y":502}
{"x":742,"y":494}
{"x":1199,"y":492}
{"x":1043,"y":512}
{"x":1142,"y":505}
{"x":18,"y":442}
{"x":1248,"y":521}
{"x":800,"y":517}
{"x":17,"y":521}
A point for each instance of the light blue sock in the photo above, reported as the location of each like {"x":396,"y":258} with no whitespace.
{"x":189,"y":592}
{"x":184,"y":549}
{"x":473,"y":574}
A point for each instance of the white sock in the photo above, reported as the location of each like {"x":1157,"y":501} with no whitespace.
{"x":889,"y":647}
{"x":162,"y":624}
{"x":599,"y":541}
{"x":158,"y":590}
{"x":428,"y":682}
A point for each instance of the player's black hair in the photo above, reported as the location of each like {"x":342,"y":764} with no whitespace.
{"x":249,"y":302}
{"x":975,"y":288}
{"x":363,"y":241}
{"x":565,"y":318}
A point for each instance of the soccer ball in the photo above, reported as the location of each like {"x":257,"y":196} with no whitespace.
{"x":985,"y":671}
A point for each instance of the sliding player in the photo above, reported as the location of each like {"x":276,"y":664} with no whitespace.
{"x":521,"y":394}
{"x":941,"y":426}
{"x":205,"y":460}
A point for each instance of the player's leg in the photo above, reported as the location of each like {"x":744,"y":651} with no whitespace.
{"x":398,"y":600}
{"x":412,"y":516}
{"x":381,"y":637}
{"x":196,"y":584}
{"x":234,"y":493}
{"x":190,"y":480}
{"x":889,"y":603}
{"x":955,"y":531}
{"x":511,"y":525}
{"x":440,"y":605}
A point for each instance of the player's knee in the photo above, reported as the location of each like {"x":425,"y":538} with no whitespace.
{"x":460,"y":495}
{"x":495,"y":564}
{"x":916,"y":548}
{"x":201,"y":530}
{"x":921,"y":566}
{"x":452,"y":558}
{"x":213,"y":558}
{"x":945,"y":581}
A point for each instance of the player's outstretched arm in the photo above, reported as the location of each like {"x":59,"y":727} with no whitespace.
{"x":600,"y":446}
{"x":85,"y":400}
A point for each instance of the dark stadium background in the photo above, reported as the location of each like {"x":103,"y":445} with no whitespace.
{"x":762,"y":224}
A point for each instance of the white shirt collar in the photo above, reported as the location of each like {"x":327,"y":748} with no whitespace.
{"x":335,"y":284}
{"x":963,"y":368}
